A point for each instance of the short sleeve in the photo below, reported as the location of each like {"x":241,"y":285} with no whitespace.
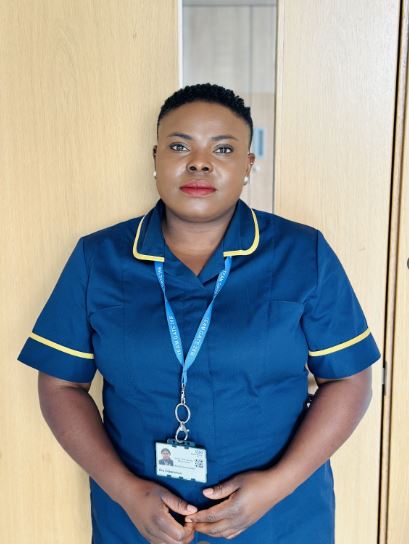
{"x":339,"y":340}
{"x":60,"y":343}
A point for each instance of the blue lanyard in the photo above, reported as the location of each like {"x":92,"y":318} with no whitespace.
{"x":204,"y":324}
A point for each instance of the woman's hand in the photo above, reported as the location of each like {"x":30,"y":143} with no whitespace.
{"x":148,"y":503}
{"x":250,"y":495}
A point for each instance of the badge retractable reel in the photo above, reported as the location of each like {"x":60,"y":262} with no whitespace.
{"x":178,"y":457}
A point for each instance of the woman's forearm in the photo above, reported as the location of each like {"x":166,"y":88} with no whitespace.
{"x":337,"y":408}
{"x":75,"y":421}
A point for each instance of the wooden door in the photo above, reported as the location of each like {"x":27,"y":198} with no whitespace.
{"x":82,"y":83}
{"x":336,"y":79}
{"x":395,"y":472}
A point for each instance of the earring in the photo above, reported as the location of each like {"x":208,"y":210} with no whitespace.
{"x":247,"y":178}
{"x":154,"y":173}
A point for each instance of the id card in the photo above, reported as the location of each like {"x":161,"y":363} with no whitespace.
{"x":183,"y":461}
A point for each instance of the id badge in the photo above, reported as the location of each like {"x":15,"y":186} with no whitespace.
{"x":183,"y":461}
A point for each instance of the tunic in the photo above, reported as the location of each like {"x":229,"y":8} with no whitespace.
{"x":287,"y":309}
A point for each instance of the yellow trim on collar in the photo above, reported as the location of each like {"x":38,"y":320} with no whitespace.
{"x":141,"y":255}
{"x":253,"y":245}
{"x":225,"y":253}
{"x":343,"y":345}
{"x":52,"y":344}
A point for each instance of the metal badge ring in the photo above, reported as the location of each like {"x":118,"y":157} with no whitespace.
{"x":177,"y":415}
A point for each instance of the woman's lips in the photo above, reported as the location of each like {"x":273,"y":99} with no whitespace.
{"x":197,"y":191}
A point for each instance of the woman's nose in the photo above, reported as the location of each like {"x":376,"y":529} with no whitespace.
{"x":198,"y":166}
{"x":199,"y":163}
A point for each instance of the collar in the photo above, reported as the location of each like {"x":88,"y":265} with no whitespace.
{"x":241,"y":237}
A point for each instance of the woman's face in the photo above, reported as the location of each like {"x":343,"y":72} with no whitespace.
{"x":195,"y":154}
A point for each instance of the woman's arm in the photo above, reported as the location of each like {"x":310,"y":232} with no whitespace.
{"x":337,"y":408}
{"x":75,"y":421}
{"x":335,"y":411}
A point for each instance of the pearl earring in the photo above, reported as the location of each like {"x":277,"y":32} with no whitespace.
{"x":154,"y":173}
{"x":247,"y":178}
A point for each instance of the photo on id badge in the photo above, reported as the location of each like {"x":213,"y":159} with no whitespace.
{"x":181,"y":461}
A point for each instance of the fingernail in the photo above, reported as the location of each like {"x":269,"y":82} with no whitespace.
{"x":209,"y":490}
{"x":188,"y":520}
{"x":191,"y":508}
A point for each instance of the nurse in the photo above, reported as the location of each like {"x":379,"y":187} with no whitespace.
{"x":203,"y":317}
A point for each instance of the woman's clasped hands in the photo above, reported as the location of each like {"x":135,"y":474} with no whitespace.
{"x":249,"y":495}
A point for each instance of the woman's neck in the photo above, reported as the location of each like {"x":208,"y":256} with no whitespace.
{"x":194,"y":237}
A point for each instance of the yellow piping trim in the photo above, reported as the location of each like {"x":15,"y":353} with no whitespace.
{"x":225,"y":253}
{"x":340,"y":346}
{"x":253,"y":245}
{"x":74,"y":352}
{"x":141,"y":255}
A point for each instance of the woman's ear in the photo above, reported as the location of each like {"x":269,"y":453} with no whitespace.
{"x":252,"y":158}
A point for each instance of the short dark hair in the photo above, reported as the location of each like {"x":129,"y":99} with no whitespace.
{"x":164,"y":449}
{"x":207,"y":92}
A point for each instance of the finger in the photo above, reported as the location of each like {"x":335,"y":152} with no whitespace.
{"x":189,"y":534}
{"x":177,"y":504}
{"x":163,"y":538}
{"x":166,"y":523}
{"x":210,"y":515}
{"x":219,"y":529}
{"x":234,"y":534}
{"x":222,"y":490}
{"x":189,"y":529}
{"x":225,"y":509}
{"x":160,"y":537}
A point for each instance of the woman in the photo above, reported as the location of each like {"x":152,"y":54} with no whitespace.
{"x":220,"y":309}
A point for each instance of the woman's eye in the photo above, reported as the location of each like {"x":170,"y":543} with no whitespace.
{"x":172,"y":145}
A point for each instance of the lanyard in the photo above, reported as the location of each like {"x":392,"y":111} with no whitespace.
{"x":199,"y":336}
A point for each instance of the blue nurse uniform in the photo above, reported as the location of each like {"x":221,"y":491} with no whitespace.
{"x":287,"y":307}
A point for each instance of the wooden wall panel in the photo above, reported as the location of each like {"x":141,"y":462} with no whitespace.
{"x":397,"y":520}
{"x":82,"y":83}
{"x":334,"y":140}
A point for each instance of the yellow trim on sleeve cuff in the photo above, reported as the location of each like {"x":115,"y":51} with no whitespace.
{"x":340,"y":346}
{"x":52,"y":344}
